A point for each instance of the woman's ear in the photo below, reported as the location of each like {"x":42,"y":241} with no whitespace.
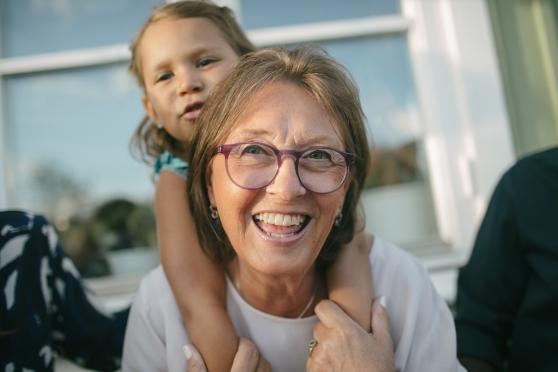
{"x":210,"y":194}
{"x":209,"y":182}
{"x":340,"y":206}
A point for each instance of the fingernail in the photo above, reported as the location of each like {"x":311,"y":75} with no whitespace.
{"x":383,"y":301}
{"x":187,"y":352}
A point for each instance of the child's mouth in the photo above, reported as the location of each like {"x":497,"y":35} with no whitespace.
{"x":192,"y":111}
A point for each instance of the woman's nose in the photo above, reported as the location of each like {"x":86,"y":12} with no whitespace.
{"x":286,"y":183}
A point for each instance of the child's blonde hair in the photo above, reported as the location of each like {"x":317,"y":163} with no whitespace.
{"x":149,"y":141}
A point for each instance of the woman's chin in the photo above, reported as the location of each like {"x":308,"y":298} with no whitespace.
{"x":277,"y":254}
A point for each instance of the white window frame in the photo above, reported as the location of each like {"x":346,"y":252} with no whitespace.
{"x":4,"y":177}
{"x":448,"y":41}
{"x":451,"y":41}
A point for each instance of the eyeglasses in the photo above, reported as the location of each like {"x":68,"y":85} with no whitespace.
{"x":254,"y":165}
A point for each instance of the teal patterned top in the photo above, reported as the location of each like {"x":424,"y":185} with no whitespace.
{"x":169,"y":162}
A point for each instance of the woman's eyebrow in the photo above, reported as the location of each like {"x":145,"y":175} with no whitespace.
{"x":319,"y":140}
{"x":323,"y":140}
{"x":254,"y":132}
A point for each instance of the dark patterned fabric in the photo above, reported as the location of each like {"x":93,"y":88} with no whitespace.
{"x":44,"y":308}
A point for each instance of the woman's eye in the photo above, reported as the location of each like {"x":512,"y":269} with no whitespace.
{"x":164,"y":76}
{"x":206,"y":61}
{"x":318,"y":154}
{"x":255,"y":150}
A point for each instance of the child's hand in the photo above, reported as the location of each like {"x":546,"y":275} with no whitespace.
{"x":247,"y":359}
{"x":363,"y":242}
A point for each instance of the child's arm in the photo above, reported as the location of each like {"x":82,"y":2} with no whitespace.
{"x":197,"y":282}
{"x":349,"y":280}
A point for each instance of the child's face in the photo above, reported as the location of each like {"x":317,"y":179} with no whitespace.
{"x":182,"y":60}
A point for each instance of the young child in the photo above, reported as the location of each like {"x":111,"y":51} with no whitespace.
{"x":179,"y":55}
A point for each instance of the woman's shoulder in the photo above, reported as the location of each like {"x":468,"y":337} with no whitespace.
{"x":397,"y":273}
{"x":154,"y":326}
{"x":154,"y":294}
{"x":389,"y":259}
{"x":420,"y":320}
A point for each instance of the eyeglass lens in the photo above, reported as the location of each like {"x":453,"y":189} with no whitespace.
{"x":253,"y":166}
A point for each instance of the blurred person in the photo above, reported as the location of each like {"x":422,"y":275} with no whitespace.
{"x":507,"y":294}
{"x":44,"y":308}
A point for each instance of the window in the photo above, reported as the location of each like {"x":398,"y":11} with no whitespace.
{"x":369,"y":38}
{"x":263,"y":14}
{"x":69,"y":109}
{"x":31,"y":27}
{"x":427,"y":73}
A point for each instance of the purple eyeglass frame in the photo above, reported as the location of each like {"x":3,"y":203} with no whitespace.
{"x":279,"y":154}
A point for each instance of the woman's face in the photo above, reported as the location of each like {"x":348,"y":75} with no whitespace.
{"x":262,"y":225}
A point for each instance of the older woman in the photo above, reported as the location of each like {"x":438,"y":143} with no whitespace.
{"x":281,"y":155}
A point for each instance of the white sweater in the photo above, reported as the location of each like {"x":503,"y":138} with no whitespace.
{"x":421,"y":324}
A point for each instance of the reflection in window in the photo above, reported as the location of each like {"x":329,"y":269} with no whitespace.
{"x":115,"y":225}
{"x":398,"y":193}
{"x":39,"y":26}
{"x":68,"y":131}
{"x":272,"y":13}
{"x":68,"y":135}
{"x":381,"y":67}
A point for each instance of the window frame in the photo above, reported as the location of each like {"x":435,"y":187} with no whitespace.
{"x":461,"y":156}
{"x":447,"y":40}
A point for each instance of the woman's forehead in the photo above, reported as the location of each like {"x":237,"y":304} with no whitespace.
{"x":285,"y":112}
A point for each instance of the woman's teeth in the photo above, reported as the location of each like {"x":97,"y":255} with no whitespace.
{"x":280,"y":219}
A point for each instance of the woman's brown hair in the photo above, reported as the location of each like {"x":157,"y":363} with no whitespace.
{"x":328,"y":82}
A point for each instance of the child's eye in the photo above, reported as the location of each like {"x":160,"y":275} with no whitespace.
{"x":206,"y":61}
{"x":164,"y":76}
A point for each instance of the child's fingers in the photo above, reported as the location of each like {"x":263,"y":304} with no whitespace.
{"x":193,"y":359}
{"x":247,"y":357}
{"x":332,"y":316}
{"x":320,"y":331}
{"x":379,"y":320}
{"x":263,"y":365}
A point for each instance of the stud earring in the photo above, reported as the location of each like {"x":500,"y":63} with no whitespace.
{"x":338,"y":219}
{"x":213,"y":212}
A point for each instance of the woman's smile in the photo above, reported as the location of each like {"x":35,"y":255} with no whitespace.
{"x":281,"y":227}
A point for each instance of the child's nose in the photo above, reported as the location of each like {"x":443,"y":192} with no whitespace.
{"x":189,"y":83}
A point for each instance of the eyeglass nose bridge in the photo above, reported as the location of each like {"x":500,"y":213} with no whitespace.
{"x":279,"y":156}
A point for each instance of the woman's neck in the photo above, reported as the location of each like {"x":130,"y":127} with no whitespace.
{"x":286,"y":296}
